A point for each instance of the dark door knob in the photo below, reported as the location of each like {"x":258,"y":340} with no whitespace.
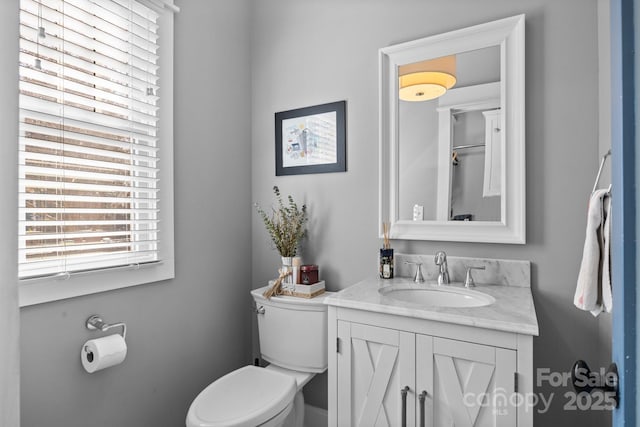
{"x":585,"y":380}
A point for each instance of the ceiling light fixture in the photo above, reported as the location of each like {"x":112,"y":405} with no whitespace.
{"x":422,"y":81}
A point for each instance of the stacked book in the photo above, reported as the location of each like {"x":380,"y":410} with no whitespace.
{"x":304,"y":291}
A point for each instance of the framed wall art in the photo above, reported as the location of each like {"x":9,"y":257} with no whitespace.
{"x":311,"y":139}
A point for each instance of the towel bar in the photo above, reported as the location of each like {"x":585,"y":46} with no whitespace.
{"x":595,"y":185}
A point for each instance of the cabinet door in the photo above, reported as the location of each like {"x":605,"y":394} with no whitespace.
{"x":374,"y":364}
{"x":467,"y":385}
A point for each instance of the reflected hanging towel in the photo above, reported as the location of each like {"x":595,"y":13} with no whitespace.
{"x":593,"y":292}
{"x":492,"y":185}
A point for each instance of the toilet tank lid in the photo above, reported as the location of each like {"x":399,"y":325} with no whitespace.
{"x":248,"y":396}
{"x":315,"y":303}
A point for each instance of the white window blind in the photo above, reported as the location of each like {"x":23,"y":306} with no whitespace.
{"x":88,"y":141}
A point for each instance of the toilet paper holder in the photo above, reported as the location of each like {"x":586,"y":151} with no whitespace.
{"x":95,"y":322}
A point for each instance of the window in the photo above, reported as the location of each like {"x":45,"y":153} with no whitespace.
{"x":95,"y":146}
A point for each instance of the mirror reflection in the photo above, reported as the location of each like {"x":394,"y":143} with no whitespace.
{"x":450,"y":145}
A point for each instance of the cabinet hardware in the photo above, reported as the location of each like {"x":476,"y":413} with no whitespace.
{"x":403,"y":393}
{"x":515,"y":382}
{"x":422,"y":398}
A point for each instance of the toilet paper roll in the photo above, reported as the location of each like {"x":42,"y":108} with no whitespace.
{"x":102,"y":353}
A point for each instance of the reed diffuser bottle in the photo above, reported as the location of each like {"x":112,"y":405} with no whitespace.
{"x":386,"y":255}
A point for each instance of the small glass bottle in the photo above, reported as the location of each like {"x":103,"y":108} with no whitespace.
{"x":386,"y":263}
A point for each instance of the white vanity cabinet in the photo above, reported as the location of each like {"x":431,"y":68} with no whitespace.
{"x":470,"y":367}
{"x":464,"y":383}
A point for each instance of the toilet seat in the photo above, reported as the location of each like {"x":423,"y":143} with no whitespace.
{"x":246,"y":397}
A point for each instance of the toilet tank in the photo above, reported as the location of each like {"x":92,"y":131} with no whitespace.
{"x":293,"y":331}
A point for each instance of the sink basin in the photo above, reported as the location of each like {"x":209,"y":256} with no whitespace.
{"x":436,"y":296}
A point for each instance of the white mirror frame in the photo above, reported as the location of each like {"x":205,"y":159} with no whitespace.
{"x":508,"y":33}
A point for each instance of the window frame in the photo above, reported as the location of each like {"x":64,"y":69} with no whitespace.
{"x":34,"y":291}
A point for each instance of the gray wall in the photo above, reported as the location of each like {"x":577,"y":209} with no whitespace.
{"x":308,"y":52}
{"x":186,"y":332}
{"x":9,"y":314}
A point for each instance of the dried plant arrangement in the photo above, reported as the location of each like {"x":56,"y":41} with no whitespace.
{"x":285,"y":225}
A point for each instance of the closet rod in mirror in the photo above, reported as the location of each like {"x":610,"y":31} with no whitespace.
{"x":463,"y":147}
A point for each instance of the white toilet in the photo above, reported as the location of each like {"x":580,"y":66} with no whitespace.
{"x":293,"y":339}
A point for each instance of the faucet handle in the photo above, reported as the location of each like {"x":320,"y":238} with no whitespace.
{"x":418,"y":276}
{"x":468,"y":281}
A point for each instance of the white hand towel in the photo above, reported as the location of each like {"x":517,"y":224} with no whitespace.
{"x":607,"y":296}
{"x":588,"y":294}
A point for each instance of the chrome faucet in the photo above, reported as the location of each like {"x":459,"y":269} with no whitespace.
{"x":441,"y":261}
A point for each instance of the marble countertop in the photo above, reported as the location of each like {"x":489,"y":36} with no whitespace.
{"x":512,"y":311}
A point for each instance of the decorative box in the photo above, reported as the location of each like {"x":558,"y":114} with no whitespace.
{"x":309,"y":274}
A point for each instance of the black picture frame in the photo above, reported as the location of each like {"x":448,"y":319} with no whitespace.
{"x":311,"y":139}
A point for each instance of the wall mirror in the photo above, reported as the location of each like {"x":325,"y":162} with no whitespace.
{"x":452,"y":144}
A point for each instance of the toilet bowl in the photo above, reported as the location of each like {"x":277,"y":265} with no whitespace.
{"x":293,"y":338}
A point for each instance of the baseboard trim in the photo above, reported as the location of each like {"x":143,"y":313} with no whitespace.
{"x":315,"y":417}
